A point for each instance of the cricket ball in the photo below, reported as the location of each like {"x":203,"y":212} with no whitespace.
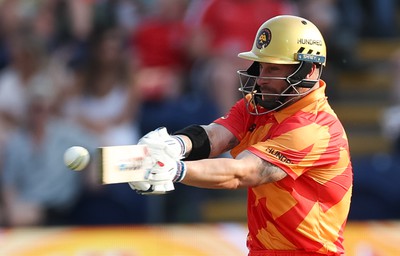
{"x":76,"y":158}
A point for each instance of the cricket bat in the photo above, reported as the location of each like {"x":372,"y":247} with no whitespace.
{"x":122,"y":164}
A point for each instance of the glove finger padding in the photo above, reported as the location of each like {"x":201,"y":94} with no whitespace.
{"x":158,"y":135}
{"x":164,"y":168}
{"x":164,"y":187}
{"x":169,"y":170}
{"x":140,"y":185}
{"x":165,"y":151}
{"x":143,"y":186}
{"x":160,"y":140}
{"x":174,"y":146}
{"x":151,"y":191}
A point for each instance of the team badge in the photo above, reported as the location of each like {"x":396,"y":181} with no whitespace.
{"x":263,"y":38}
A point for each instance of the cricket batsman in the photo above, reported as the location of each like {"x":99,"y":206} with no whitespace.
{"x":288,"y":147}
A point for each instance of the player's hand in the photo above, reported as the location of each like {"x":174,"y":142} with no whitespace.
{"x":162,"y":175}
{"x":166,"y":152}
{"x":160,"y":140}
{"x":140,"y":185}
{"x":145,"y":188}
{"x":163,"y":149}
{"x":167,"y":170}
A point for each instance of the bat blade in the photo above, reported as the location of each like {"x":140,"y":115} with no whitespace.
{"x":122,"y":164}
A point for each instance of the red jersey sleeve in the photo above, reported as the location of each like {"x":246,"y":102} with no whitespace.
{"x":237,"y":120}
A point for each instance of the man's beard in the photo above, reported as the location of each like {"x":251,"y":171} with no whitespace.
{"x":269,"y":104}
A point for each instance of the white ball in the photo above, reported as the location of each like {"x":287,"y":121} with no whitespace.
{"x":76,"y":158}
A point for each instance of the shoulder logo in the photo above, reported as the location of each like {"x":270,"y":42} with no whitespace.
{"x":263,"y":38}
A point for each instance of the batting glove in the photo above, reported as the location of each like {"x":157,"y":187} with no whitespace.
{"x":162,"y":175}
{"x":160,"y":140}
{"x":165,"y":151}
{"x":161,"y":179}
{"x":167,"y":170}
{"x":145,"y":188}
{"x":140,"y":185}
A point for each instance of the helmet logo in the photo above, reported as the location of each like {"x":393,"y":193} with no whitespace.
{"x":263,"y":38}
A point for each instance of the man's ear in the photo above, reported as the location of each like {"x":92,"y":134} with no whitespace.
{"x":314,"y":72}
{"x":302,"y":74}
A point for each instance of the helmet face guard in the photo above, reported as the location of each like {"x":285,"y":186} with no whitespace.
{"x":273,"y":101}
{"x":283,"y":39}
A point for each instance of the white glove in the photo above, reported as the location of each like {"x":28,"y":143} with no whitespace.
{"x":145,"y":188}
{"x":167,"y":170}
{"x":163,"y":148}
{"x":161,"y":176}
{"x":159,"y":139}
{"x":140,"y":185}
{"x":166,"y":151}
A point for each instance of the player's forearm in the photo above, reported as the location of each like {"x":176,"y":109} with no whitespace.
{"x":247,"y":170}
{"x":217,"y":174}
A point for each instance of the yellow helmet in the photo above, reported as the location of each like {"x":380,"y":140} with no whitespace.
{"x":287,"y":39}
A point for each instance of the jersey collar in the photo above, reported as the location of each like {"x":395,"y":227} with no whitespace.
{"x":307,"y":100}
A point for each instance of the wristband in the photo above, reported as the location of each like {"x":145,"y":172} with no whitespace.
{"x":180,"y":171}
{"x":182,"y":144}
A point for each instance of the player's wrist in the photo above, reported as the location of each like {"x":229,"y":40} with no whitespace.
{"x":180,"y":171}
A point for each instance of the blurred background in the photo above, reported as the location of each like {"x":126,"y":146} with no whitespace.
{"x":105,"y":72}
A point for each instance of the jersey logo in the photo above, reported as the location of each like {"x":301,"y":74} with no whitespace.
{"x":263,"y":38}
{"x":278,"y":155}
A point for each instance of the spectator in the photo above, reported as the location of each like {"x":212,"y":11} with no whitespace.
{"x":28,"y":66}
{"x":106,"y":103}
{"x":371,"y":183}
{"x":160,"y":52}
{"x":375,"y":195}
{"x":159,"y":49}
{"x":37,"y":189}
{"x":221,"y":29}
{"x":391,"y":119}
{"x":339,"y":22}
{"x":379,"y":18}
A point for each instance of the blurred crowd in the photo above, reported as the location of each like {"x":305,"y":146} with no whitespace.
{"x":105,"y":72}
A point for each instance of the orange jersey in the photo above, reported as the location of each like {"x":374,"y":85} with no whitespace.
{"x":308,"y":209}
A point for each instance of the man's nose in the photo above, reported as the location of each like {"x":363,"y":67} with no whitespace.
{"x":262,"y":79}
